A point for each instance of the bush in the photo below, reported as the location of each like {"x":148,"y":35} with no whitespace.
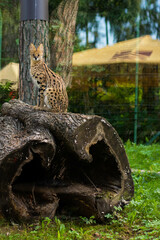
{"x":6,"y":93}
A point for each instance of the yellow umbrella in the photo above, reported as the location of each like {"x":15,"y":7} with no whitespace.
{"x":10,"y":73}
{"x":143,"y":50}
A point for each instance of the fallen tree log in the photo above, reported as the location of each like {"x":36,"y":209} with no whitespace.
{"x":60,"y":163}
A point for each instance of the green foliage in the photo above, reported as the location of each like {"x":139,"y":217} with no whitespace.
{"x":120,"y":14}
{"x":150,"y":25}
{"x":116,"y":104}
{"x":6,"y":93}
{"x":10,"y":31}
{"x":61,"y":229}
{"x":5,"y":3}
{"x":78,"y":46}
{"x":53,"y":5}
{"x":122,"y":17}
{"x":106,"y":96}
{"x":88,"y":221}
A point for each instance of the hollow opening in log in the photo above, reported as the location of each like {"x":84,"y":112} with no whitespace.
{"x":27,"y":187}
{"x":32,"y":172}
{"x":104,"y":168}
{"x":102,"y":172}
{"x":75,"y":184}
{"x":89,"y":181}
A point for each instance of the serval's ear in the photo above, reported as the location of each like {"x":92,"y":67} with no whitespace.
{"x":40,"y":49}
{"x":32,"y":48}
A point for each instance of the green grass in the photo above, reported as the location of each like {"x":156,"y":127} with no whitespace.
{"x":139,"y":220}
{"x":143,"y":157}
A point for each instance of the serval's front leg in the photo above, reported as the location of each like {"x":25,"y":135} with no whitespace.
{"x":40,"y":98}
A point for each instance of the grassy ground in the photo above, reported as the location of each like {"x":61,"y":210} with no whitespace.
{"x":144,"y":157}
{"x":139,"y":220}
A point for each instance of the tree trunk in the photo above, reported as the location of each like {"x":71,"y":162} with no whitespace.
{"x":87,"y":35}
{"x":107,"y":38}
{"x":63,"y":34}
{"x":36,"y":32}
{"x":61,"y":163}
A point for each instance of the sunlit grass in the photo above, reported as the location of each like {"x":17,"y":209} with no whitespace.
{"x":143,"y":157}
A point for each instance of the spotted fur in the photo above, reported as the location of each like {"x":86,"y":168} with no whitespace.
{"x":52,"y":90}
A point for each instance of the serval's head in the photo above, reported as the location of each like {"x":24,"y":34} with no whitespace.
{"x":36,"y":54}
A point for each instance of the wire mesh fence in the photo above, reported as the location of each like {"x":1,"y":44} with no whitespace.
{"x":113,"y":96}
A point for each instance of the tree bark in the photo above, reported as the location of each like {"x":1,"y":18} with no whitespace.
{"x":60,"y":163}
{"x":36,"y":32}
{"x":63,"y":21}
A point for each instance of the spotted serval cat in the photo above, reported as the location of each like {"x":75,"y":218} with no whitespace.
{"x":52,"y":90}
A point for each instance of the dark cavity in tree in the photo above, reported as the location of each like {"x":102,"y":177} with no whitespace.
{"x":87,"y":179}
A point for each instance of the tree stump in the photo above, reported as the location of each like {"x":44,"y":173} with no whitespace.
{"x":60,"y":163}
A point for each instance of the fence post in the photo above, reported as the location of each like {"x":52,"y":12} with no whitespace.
{"x":136,"y":83}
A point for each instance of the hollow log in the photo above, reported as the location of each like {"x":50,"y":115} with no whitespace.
{"x":60,"y":163}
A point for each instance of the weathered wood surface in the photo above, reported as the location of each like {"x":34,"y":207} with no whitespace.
{"x":50,"y":162}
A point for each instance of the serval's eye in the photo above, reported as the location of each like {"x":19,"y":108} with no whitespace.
{"x":38,"y":55}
